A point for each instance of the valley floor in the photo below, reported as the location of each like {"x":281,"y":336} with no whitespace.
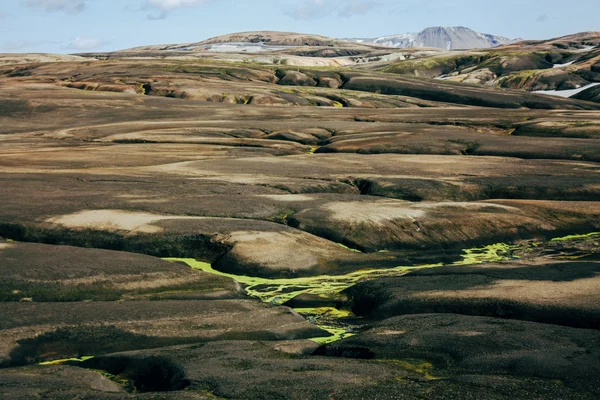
{"x":160,"y":247}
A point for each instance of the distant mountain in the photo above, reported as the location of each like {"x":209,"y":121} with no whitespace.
{"x":448,"y":38}
{"x":253,"y":42}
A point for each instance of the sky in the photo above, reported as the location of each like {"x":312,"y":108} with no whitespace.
{"x":76,"y":26}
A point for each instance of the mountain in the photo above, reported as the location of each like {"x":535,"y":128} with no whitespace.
{"x":251,"y":42}
{"x":448,"y":38}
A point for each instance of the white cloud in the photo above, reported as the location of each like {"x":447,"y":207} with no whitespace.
{"x":84,"y":44}
{"x":542,"y":18}
{"x":69,"y":6}
{"x":315,"y":9}
{"x":357,"y":7}
{"x":164,"y":7}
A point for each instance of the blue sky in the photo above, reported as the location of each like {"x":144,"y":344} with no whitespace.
{"x":71,"y":26}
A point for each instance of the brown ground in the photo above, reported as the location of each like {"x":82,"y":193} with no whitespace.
{"x":263,"y":171}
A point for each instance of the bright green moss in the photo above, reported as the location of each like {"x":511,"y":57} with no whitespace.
{"x":576,"y":237}
{"x":59,"y":362}
{"x":492,"y":253}
{"x":348,"y":248}
{"x":279,"y":291}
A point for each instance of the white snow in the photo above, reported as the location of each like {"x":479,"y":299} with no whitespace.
{"x":562,"y":65}
{"x":234,"y":47}
{"x":245,"y":47}
{"x":566,"y":93}
{"x":585,"y":49}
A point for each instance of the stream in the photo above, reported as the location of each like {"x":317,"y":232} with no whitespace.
{"x":334,"y":320}
{"x":331,"y":319}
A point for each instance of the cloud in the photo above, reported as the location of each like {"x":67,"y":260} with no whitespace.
{"x":84,"y":44}
{"x":164,"y":7}
{"x":315,"y":9}
{"x":542,"y":18}
{"x":357,"y":7}
{"x":4,"y":15}
{"x":69,"y":6}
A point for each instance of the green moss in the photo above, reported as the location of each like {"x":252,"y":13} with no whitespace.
{"x":576,"y":237}
{"x":283,"y":216}
{"x":348,"y":248}
{"x":421,"y":367}
{"x":330,"y":320}
{"x":337,"y":333}
{"x":492,"y":253}
{"x":279,"y":291}
{"x":66,"y":360}
{"x":442,"y":64}
{"x":329,"y":312}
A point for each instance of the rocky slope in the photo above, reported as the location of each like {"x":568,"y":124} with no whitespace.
{"x":566,"y":63}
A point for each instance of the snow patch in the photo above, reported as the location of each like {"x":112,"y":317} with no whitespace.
{"x":566,"y":93}
{"x":234,"y":47}
{"x":585,"y":49}
{"x":562,"y":65}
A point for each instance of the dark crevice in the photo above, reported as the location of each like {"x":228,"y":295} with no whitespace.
{"x":147,"y":89}
{"x":368,"y":187}
{"x":141,"y":374}
{"x":334,"y":350}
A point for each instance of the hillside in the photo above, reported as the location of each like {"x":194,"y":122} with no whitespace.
{"x":566,"y":63}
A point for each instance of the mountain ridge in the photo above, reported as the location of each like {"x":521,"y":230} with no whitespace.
{"x":447,"y":38}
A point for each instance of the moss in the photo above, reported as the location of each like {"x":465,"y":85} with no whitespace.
{"x":328,"y":319}
{"x":337,"y":333}
{"x":492,"y":253}
{"x":283,"y":216}
{"x":280,"y":291}
{"x":439,"y":65}
{"x":421,"y":367}
{"x":67,"y":360}
{"x":576,"y":237}
{"x":519,"y":79}
{"x":348,"y":248}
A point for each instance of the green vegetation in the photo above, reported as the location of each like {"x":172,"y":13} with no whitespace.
{"x":280,"y":291}
{"x":519,"y":79}
{"x":329,"y":319}
{"x":420,"y":367}
{"x":348,"y":248}
{"x":437,"y":65}
{"x":59,"y":362}
{"x":576,"y":237}
{"x":492,"y":253}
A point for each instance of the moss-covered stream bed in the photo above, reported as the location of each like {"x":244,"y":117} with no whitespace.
{"x":335,"y":317}
{"x":340,"y":322}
